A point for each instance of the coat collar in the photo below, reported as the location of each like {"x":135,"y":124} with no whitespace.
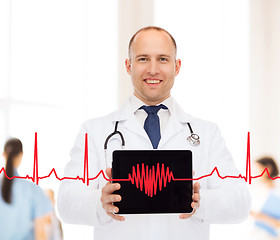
{"x":126,"y":116}
{"x":126,"y":113}
{"x":178,"y":119}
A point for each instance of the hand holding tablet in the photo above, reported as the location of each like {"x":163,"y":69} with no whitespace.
{"x":108,"y":198}
{"x":153,"y":182}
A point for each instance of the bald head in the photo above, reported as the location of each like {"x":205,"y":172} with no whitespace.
{"x":151,"y":28}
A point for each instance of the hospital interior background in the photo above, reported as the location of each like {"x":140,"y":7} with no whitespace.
{"x":62,"y":62}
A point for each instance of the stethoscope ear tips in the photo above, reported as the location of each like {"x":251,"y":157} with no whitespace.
{"x":193,"y":139}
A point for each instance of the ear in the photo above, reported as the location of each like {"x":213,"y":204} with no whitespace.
{"x":177,"y":66}
{"x":128,"y":66}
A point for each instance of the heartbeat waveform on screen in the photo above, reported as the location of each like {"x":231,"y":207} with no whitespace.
{"x":144,"y":178}
{"x":150,"y":179}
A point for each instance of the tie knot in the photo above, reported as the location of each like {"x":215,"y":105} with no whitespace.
{"x":153,"y":109}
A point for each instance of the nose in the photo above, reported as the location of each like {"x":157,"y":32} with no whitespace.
{"x":153,"y":68}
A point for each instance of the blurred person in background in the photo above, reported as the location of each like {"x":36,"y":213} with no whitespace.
{"x":53,"y":227}
{"x":24,"y":208}
{"x":266,"y":203}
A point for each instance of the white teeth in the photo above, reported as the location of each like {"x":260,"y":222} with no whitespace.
{"x":153,"y":81}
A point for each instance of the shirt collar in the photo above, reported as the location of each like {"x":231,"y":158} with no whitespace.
{"x":133,"y":103}
{"x":136,"y":103}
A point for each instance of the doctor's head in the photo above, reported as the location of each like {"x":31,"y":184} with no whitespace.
{"x":152,"y":64}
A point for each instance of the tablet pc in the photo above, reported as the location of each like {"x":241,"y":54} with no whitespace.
{"x":153,"y":181}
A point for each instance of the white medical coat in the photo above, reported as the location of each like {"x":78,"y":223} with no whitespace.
{"x":222,"y":201}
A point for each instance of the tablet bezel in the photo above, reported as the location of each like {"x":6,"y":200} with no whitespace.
{"x":121,"y":157}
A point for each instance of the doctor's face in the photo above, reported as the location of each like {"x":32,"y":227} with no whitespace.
{"x":152,"y":66}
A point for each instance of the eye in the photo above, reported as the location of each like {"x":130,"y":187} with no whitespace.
{"x":163,"y":59}
{"x":142,"y":59}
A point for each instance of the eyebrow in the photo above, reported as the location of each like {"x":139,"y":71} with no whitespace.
{"x":146,"y":55}
{"x":165,"y":55}
{"x":141,"y":55}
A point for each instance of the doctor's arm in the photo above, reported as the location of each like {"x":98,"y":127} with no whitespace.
{"x":222,"y":200}
{"x":108,"y":198}
{"x":78,"y":203}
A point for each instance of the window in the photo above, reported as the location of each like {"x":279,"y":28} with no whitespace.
{"x":60,"y":68}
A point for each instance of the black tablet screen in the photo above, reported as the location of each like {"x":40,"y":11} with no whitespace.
{"x":153,"y":181}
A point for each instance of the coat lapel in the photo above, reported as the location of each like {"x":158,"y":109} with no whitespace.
{"x":128,"y":120}
{"x":177,"y":121}
{"x":173,"y":127}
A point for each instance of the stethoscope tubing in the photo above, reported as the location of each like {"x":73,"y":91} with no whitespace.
{"x":116,"y":132}
{"x":193,"y":139}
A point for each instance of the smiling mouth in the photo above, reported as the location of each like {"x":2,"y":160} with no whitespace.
{"x":153,"y":81}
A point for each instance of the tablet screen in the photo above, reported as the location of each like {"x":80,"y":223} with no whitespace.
{"x":153,"y":181}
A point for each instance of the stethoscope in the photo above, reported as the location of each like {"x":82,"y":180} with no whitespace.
{"x":193,"y":139}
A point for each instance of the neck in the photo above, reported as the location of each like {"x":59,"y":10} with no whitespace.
{"x":151,"y":102}
{"x":268,"y":182}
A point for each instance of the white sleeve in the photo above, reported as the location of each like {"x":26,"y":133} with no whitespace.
{"x":222,"y":200}
{"x":78,"y":203}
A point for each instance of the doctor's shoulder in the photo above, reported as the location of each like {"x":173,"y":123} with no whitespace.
{"x":208,"y":131}
{"x":204,"y":127}
{"x":199,"y":126}
{"x":97,"y":125}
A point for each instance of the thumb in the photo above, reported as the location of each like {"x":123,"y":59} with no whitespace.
{"x":109,"y":172}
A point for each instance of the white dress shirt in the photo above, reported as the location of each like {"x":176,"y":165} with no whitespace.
{"x":141,"y":115}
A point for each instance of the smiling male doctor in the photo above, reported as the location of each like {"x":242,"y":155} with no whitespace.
{"x":153,"y":67}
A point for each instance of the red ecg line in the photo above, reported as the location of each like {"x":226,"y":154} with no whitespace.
{"x":147,"y":178}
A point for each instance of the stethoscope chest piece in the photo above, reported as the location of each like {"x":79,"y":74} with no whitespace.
{"x":193,"y":139}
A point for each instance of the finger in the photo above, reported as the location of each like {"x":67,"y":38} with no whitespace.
{"x":109,"y":172}
{"x":110,"y":208}
{"x":110,"y":198}
{"x":196,"y":197}
{"x":185,"y":216}
{"x":110,"y":188}
{"x":115,"y":198}
{"x":196,"y":187}
{"x":116,"y":217}
{"x":195,"y":205}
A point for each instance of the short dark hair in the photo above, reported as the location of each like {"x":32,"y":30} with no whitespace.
{"x":269,"y":162}
{"x":147,"y":29}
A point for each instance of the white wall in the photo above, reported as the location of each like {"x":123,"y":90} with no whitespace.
{"x":265,"y":78}
{"x":59,"y":57}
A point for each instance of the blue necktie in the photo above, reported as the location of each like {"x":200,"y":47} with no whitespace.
{"x":151,"y":124}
